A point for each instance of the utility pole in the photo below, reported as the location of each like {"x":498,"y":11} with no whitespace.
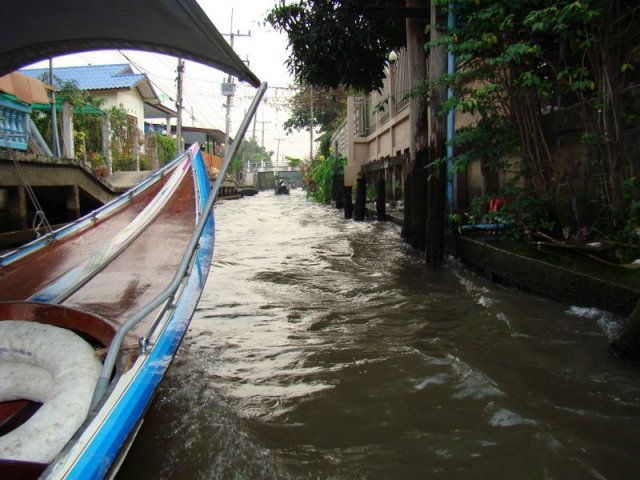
{"x":228,"y":87}
{"x":263,"y":122}
{"x":179,"y":106}
{"x":278,"y":150}
{"x":310,"y":123}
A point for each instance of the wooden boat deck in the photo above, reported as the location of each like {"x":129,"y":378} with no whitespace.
{"x":21,"y":280}
{"x":145,"y":268}
{"x":151,"y":232}
{"x":123,"y":284}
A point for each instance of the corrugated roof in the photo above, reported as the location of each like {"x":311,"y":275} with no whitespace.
{"x":91,"y":77}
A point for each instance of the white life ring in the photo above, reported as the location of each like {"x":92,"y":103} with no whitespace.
{"x":51,"y":365}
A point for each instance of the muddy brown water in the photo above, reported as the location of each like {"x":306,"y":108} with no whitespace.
{"x":322,"y":348}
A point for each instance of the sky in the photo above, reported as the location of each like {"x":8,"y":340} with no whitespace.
{"x":255,"y":42}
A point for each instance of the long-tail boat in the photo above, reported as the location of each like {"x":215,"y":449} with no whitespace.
{"x":91,"y":315}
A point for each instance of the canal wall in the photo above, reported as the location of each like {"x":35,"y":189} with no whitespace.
{"x":563,"y":277}
{"x":567,"y":279}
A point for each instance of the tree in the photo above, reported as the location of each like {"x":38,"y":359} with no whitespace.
{"x":250,"y":152}
{"x":335,"y":43}
{"x":329,"y":105}
{"x":294,"y":162}
{"x":87,"y":118}
{"x":320,"y":174}
{"x":527,"y":57}
{"x":124,"y":138}
{"x":598,"y":40}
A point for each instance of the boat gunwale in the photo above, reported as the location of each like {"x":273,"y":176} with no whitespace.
{"x":134,"y":388}
{"x":95,"y":439}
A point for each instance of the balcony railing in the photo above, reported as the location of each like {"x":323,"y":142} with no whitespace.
{"x":14,"y":118}
{"x":402,"y":84}
{"x":378,"y":107}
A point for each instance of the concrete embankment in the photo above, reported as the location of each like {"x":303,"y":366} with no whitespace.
{"x":568,"y":278}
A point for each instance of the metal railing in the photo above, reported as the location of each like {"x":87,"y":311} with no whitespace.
{"x":402,"y":83}
{"x":172,"y":288}
{"x":14,"y":119}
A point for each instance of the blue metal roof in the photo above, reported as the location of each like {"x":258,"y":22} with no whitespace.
{"x":91,"y":77}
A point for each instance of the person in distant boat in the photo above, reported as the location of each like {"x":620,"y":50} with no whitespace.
{"x":282,"y":187}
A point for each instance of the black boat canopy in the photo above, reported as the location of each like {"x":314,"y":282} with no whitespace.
{"x":35,"y":30}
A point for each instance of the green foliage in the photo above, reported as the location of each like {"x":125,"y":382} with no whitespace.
{"x":336,"y":42}
{"x":293,"y":162}
{"x":249,"y":152}
{"x":624,"y":241}
{"x":519,"y":59}
{"x":86,"y":123}
{"x":319,"y":177}
{"x":328,"y":105}
{"x":166,"y":147}
{"x":324,"y":147}
{"x":371,"y":193}
{"x":124,"y":138}
{"x":521,"y":207}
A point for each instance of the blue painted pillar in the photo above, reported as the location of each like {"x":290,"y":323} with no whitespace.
{"x":451,"y":70}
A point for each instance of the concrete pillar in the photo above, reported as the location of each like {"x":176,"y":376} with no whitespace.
{"x":135,"y":150}
{"x":18,"y":208}
{"x":381,"y":208}
{"x":73,"y":203}
{"x":68,"y":150}
{"x":151,"y":150}
{"x":348,"y":201}
{"x":352,"y":167}
{"x":106,"y":143}
{"x":361,"y":200}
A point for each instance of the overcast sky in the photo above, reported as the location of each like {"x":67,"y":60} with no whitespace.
{"x":266,"y":52}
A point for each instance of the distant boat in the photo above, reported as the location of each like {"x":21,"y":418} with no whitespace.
{"x":282,"y":187}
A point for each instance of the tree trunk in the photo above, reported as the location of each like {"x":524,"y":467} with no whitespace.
{"x":415,"y":177}
{"x":437,"y":184}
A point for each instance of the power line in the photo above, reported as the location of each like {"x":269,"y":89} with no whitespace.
{"x":146,"y":73}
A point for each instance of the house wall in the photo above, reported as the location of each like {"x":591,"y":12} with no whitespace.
{"x":130,"y":100}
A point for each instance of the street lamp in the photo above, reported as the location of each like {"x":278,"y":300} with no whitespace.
{"x":393,"y":58}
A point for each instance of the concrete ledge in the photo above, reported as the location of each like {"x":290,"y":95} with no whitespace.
{"x":612,"y":288}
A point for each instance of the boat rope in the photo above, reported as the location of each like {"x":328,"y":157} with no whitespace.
{"x":40,"y":218}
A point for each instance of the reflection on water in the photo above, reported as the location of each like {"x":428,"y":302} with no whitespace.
{"x":323,"y":348}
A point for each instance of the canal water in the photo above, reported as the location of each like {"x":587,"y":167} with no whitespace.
{"x":323,"y":348}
